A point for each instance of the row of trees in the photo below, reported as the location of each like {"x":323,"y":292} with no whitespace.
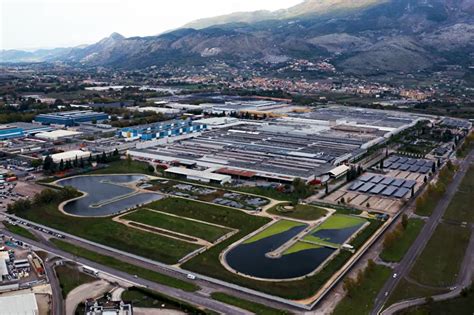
{"x":351,"y":285}
{"x":392,"y":237}
{"x":45,"y":197}
{"x":49,"y":166}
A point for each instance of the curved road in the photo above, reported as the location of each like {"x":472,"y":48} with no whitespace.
{"x":408,"y":260}
{"x":192,"y":297}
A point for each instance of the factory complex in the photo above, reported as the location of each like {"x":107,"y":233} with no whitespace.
{"x":307,"y":145}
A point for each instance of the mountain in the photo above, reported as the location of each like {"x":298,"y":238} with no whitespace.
{"x":305,"y":9}
{"x":358,"y":36}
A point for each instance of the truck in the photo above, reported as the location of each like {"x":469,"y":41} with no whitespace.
{"x":90,"y":271}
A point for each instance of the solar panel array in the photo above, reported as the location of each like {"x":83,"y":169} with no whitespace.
{"x":384,"y":186}
{"x":400,"y":163}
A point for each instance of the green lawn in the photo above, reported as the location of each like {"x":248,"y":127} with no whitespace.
{"x":300,"y":246}
{"x":439,"y":263}
{"x":70,"y":278}
{"x":461,"y":206}
{"x":124,"y":167}
{"x":462,"y":305}
{"x":301,"y":212}
{"x":114,"y":234}
{"x":180,"y":225}
{"x":17,"y":229}
{"x":276,"y":228}
{"x":123,"y":266}
{"x":406,"y":290}
{"x":396,"y":252}
{"x":253,"y":307}
{"x":362,"y":300}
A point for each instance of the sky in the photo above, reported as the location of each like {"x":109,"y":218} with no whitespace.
{"x":33,"y":24}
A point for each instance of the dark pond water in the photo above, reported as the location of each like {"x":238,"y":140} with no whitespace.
{"x":250,"y":258}
{"x":104,"y":188}
{"x":337,"y":236}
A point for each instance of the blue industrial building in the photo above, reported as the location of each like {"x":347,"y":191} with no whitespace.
{"x":161,"y":130}
{"x":20,"y":130}
{"x":70,"y":118}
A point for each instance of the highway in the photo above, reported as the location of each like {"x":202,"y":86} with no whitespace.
{"x":408,"y":260}
{"x":196,"y":298}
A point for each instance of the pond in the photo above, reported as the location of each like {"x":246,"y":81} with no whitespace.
{"x":250,"y":258}
{"x":106,"y":194}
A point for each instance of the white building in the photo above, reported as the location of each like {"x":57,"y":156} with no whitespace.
{"x":70,"y":156}
{"x":203,"y":176}
{"x":58,"y":135}
{"x":21,"y":304}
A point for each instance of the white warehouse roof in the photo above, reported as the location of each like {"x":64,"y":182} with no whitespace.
{"x":199,"y":175}
{"x":57,"y":134}
{"x":338,"y":171}
{"x":21,"y":304}
{"x":70,"y":155}
{"x":3,"y":264}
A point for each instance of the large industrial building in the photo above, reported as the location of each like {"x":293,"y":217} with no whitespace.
{"x":307,"y":145}
{"x":20,"y":130}
{"x":160,"y":130}
{"x":70,"y":118}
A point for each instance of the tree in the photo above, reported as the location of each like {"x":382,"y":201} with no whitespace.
{"x":129,"y":160}
{"x":151,"y":168}
{"x":104,"y":157}
{"x":48,"y":164}
{"x":36,"y":163}
{"x":61,"y":165}
{"x":76,"y":162}
{"x":404,"y":221}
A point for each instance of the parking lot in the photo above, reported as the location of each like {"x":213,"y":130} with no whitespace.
{"x":13,"y":191}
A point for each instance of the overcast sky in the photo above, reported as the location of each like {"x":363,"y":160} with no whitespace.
{"x":31,"y":24}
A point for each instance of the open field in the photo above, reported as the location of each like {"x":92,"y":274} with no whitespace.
{"x":20,"y":231}
{"x":301,"y":212}
{"x":299,"y":246}
{"x":396,"y":252}
{"x":439,"y":263}
{"x":276,"y":228}
{"x":335,"y":222}
{"x":361,"y":300}
{"x":124,"y":167}
{"x":462,"y":305}
{"x":176,"y":224}
{"x":406,"y":290}
{"x":123,"y":266}
{"x":113,"y":234}
{"x":461,"y":207}
{"x":70,"y":278}
{"x":253,"y":307}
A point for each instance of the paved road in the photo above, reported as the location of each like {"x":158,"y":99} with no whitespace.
{"x":408,"y":260}
{"x":464,"y":280}
{"x":193,"y":297}
{"x":57,"y":297}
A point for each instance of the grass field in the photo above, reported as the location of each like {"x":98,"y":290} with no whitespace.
{"x":20,"y":231}
{"x":124,"y":167}
{"x":113,"y":234}
{"x":396,"y":252}
{"x":253,"y":307}
{"x":300,"y":246}
{"x":462,"y":305}
{"x":123,"y":266}
{"x":301,"y":212}
{"x":362,"y":300}
{"x":461,"y":207}
{"x":276,"y":228}
{"x":192,"y":228}
{"x":439,"y":263}
{"x":406,"y":290}
{"x":70,"y":278}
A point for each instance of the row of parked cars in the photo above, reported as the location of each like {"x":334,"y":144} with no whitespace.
{"x":14,"y":221}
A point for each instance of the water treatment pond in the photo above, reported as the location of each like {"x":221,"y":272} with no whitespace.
{"x":250,"y":258}
{"x":106,"y":194}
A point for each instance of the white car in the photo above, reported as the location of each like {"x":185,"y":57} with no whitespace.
{"x":394,"y":275}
